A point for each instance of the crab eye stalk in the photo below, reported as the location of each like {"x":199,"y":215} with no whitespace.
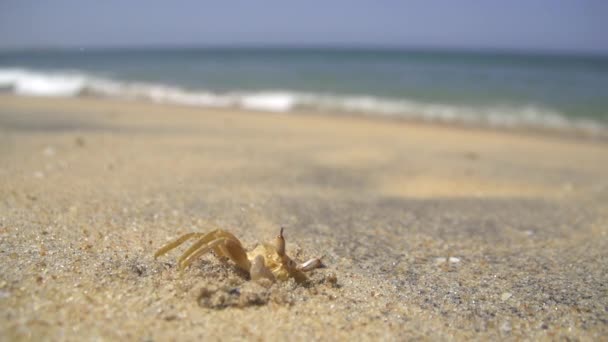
{"x":280,"y":243}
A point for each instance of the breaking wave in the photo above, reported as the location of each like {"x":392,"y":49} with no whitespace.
{"x":72,"y":84}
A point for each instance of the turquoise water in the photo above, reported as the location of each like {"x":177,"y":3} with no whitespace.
{"x":494,"y":88}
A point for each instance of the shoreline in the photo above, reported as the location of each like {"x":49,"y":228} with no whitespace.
{"x":428,"y":231}
{"x":573,"y":133}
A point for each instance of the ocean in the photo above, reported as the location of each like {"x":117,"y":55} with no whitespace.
{"x":482,"y":88}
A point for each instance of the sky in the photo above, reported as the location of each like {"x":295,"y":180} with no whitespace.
{"x":538,"y":25}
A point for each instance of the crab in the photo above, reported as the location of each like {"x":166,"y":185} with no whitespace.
{"x":265,"y":261}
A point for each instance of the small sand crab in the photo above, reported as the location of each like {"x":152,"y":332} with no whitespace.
{"x":266,"y":261}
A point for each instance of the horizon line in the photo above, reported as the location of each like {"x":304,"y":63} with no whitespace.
{"x":317,"y":46}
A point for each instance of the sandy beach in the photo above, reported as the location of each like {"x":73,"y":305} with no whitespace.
{"x":426,"y":231}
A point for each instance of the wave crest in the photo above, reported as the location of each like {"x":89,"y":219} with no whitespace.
{"x":24,"y":82}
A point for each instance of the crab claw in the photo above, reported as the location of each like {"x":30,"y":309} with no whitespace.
{"x":310,"y":265}
{"x":259,"y":270}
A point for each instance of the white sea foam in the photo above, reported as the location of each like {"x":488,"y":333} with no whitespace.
{"x":24,"y":82}
{"x":269,"y":101}
{"x":68,"y":84}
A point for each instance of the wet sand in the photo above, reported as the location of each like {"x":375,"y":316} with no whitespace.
{"x":427,"y":231}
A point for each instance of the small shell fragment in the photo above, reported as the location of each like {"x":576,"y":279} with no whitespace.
{"x":451,"y":260}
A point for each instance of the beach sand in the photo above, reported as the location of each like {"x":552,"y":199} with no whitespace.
{"x":427,"y":231}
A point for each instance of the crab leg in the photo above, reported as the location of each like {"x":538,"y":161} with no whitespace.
{"x":184,"y":262}
{"x":202,"y":241}
{"x":164,"y":249}
{"x":235,"y":252}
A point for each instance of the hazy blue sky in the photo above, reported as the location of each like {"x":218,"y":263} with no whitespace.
{"x":509,"y":24}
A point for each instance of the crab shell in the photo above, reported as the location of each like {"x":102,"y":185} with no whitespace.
{"x":266,"y":257}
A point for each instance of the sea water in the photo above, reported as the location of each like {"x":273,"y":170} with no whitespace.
{"x":497,"y":89}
